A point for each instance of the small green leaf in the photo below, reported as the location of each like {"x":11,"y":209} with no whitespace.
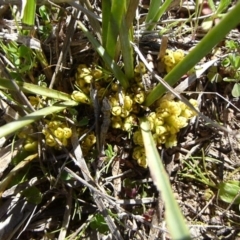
{"x":21,"y":155}
{"x":228,"y":191}
{"x":236,"y":64}
{"x":226,"y":79}
{"x":236,"y":90}
{"x":98,"y":223}
{"x":44,"y":13}
{"x":225,"y":62}
{"x":66,"y":176}
{"x":214,"y":77}
{"x":33,"y":195}
{"x":109,"y":151}
{"x":28,"y":11}
{"x":232,"y":45}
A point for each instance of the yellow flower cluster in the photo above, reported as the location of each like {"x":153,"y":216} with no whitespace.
{"x":85,"y":76}
{"x":140,"y":156}
{"x":88,"y":142}
{"x":172,"y":58}
{"x":168,"y":119}
{"x":80,"y":97}
{"x":59,"y":130}
{"x":165,"y":123}
{"x":30,"y":143}
{"x":122,"y":116}
{"x":36,"y":101}
{"x":124,"y":111}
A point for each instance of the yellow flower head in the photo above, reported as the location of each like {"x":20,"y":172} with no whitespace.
{"x":128,"y":102}
{"x":129,"y":122}
{"x":159,"y":119}
{"x":59,"y":133}
{"x":139,"y":97}
{"x":171,"y":141}
{"x":116,"y":110}
{"x":140,"y":156}
{"x":80,"y":97}
{"x":140,"y":68}
{"x":178,"y":55}
{"x":137,"y":138}
{"x":116,"y":122}
{"x":97,"y":73}
{"x":36,"y":102}
{"x":89,"y":141}
{"x":67,"y":132}
{"x":160,"y":130}
{"x":125,"y":113}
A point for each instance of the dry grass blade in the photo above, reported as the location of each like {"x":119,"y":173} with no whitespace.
{"x":18,"y":92}
{"x":26,"y":40}
{"x":98,"y":200}
{"x":62,"y":57}
{"x":14,"y":213}
{"x":5,"y":182}
{"x":106,"y":110}
{"x":66,"y":217}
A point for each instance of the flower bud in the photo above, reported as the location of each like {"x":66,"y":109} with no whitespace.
{"x":116,"y":110}
{"x":160,"y":130}
{"x":84,"y":72}
{"x":128,"y":103}
{"x":140,"y":68}
{"x":80,"y":97}
{"x":114,"y":86}
{"x":137,"y":138}
{"x":67,"y":132}
{"x":97,"y":73}
{"x":124,"y":113}
{"x":31,"y":146}
{"x":139,"y":97}
{"x":116,"y":122}
{"x":59,"y":133}
{"x":171,"y":141}
{"x":50,"y":141}
{"x":88,"y":79}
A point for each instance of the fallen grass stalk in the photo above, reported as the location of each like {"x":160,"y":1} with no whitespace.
{"x":86,"y":174}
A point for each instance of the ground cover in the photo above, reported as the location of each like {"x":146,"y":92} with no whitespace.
{"x":119,"y":120}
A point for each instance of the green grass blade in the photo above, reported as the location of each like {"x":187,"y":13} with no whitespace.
{"x":35,"y":89}
{"x":153,"y":9}
{"x":28,"y":12}
{"x":131,"y":12}
{"x":127,"y":51}
{"x":155,"y":12}
{"x":201,"y":50}
{"x":14,"y":126}
{"x":126,"y":36}
{"x":106,"y":58}
{"x":114,"y":25}
{"x":106,"y":12}
{"x":174,"y":218}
